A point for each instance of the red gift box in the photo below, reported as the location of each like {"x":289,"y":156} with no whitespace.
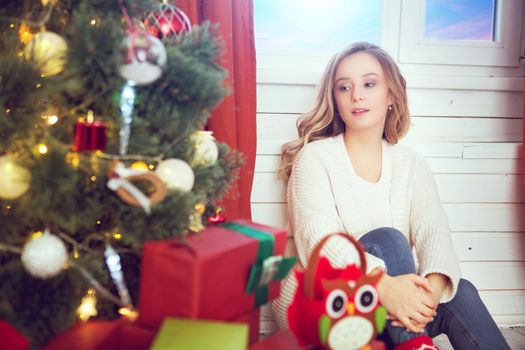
{"x":103,"y":335}
{"x":93,"y":335}
{"x":285,"y":340}
{"x":11,"y":338}
{"x":134,"y":337}
{"x":206,"y":276}
{"x":253,"y":319}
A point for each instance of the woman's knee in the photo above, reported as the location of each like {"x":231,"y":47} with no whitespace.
{"x":466,"y":290}
{"x":392,"y":247}
{"x":387,"y":236}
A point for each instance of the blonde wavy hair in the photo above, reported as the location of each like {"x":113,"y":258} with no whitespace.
{"x":323,"y":121}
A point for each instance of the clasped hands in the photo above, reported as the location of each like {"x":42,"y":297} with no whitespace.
{"x":411,"y":300}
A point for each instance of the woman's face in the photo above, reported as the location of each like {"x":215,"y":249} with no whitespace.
{"x":361,"y":93}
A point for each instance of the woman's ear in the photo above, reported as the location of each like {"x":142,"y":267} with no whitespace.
{"x":390,"y":100}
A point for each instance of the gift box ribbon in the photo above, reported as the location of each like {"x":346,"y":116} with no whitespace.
{"x":268,"y":267}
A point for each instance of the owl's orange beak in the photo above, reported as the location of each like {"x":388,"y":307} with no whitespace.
{"x":351,"y":308}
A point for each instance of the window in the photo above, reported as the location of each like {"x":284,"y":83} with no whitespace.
{"x":461,"y":32}
{"x":313,"y":26}
{"x":460,"y":20}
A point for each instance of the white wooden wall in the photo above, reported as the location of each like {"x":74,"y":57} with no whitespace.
{"x":466,"y":122}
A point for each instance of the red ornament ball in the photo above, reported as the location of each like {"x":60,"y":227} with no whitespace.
{"x":168,"y":20}
{"x":218,"y":218}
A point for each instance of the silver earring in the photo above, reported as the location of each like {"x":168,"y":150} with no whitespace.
{"x":389,"y":107}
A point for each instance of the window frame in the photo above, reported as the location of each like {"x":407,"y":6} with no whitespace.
{"x":302,"y":68}
{"x":415,"y":48}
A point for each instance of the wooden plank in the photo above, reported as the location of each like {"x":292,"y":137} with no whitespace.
{"x":272,"y":214}
{"x":489,"y":246}
{"x":500,"y":302}
{"x":462,"y":217}
{"x":465,"y":129}
{"x":486,"y":217}
{"x":414,"y":81}
{"x":285,"y":98}
{"x":494,"y":275}
{"x":307,"y":67}
{"x":453,"y":188}
{"x":427,"y":129}
{"x":445,"y":103}
{"x":465,"y":150}
{"x":474,"y":188}
{"x":493,"y":151}
{"x":426,"y":149}
{"x":269,"y":164}
{"x":280,"y":98}
{"x":474,"y":166}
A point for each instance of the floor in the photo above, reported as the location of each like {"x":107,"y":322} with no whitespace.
{"x":515,"y":336}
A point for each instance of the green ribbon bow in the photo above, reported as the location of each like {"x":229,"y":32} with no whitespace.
{"x":268,"y":267}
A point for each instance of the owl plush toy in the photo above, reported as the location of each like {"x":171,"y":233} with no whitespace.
{"x":336,"y":308}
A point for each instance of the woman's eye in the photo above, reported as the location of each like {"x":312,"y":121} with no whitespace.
{"x":344,"y":88}
{"x":370,"y":84}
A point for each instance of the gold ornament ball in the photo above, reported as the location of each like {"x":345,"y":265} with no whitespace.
{"x":15,"y":179}
{"x":48,"y":50}
{"x":206,"y":150}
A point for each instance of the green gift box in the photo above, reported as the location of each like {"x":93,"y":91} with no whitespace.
{"x":186,"y":334}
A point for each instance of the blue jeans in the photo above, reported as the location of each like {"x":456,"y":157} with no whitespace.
{"x":465,"y":319}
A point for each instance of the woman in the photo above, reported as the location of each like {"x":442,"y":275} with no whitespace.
{"x":346,"y":174}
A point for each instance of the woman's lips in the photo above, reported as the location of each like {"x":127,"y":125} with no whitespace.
{"x":359,"y":111}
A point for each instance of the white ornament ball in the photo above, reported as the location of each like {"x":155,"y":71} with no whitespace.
{"x":48,"y":50}
{"x":176,"y":174}
{"x":206,"y":150}
{"x":144,"y":56}
{"x":44,"y":256}
{"x":14,"y":179}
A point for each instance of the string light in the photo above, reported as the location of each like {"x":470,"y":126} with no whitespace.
{"x":151,"y":166}
{"x":117,"y":236}
{"x":38,"y":85}
{"x":7,"y":110}
{"x":73,"y":159}
{"x":98,"y":222}
{"x":93,"y":22}
{"x":52,"y":119}
{"x":90,"y":117}
{"x":88,"y":306}
{"x":200,"y":208}
{"x":42,"y":148}
{"x":129,"y":313}
{"x":76,"y":254}
{"x":36,"y":234}
{"x":93,"y":178}
{"x":24,"y":33}
{"x":140,"y":165}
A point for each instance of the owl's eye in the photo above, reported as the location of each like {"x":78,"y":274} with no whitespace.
{"x":366,"y":298}
{"x":336,"y":303}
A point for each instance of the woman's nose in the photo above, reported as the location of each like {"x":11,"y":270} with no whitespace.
{"x":357,"y":95}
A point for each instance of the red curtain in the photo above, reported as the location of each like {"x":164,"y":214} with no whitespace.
{"x":233,"y":121}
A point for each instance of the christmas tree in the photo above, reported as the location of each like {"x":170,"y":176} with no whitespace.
{"x":102,"y":110}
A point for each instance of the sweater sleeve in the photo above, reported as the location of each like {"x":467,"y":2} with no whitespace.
{"x":430,"y":232}
{"x":313,"y":213}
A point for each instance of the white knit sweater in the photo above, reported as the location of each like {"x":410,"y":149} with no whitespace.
{"x":321,"y":200}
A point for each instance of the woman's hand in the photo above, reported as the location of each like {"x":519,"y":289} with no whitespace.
{"x":439,"y":283}
{"x":409,"y":300}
